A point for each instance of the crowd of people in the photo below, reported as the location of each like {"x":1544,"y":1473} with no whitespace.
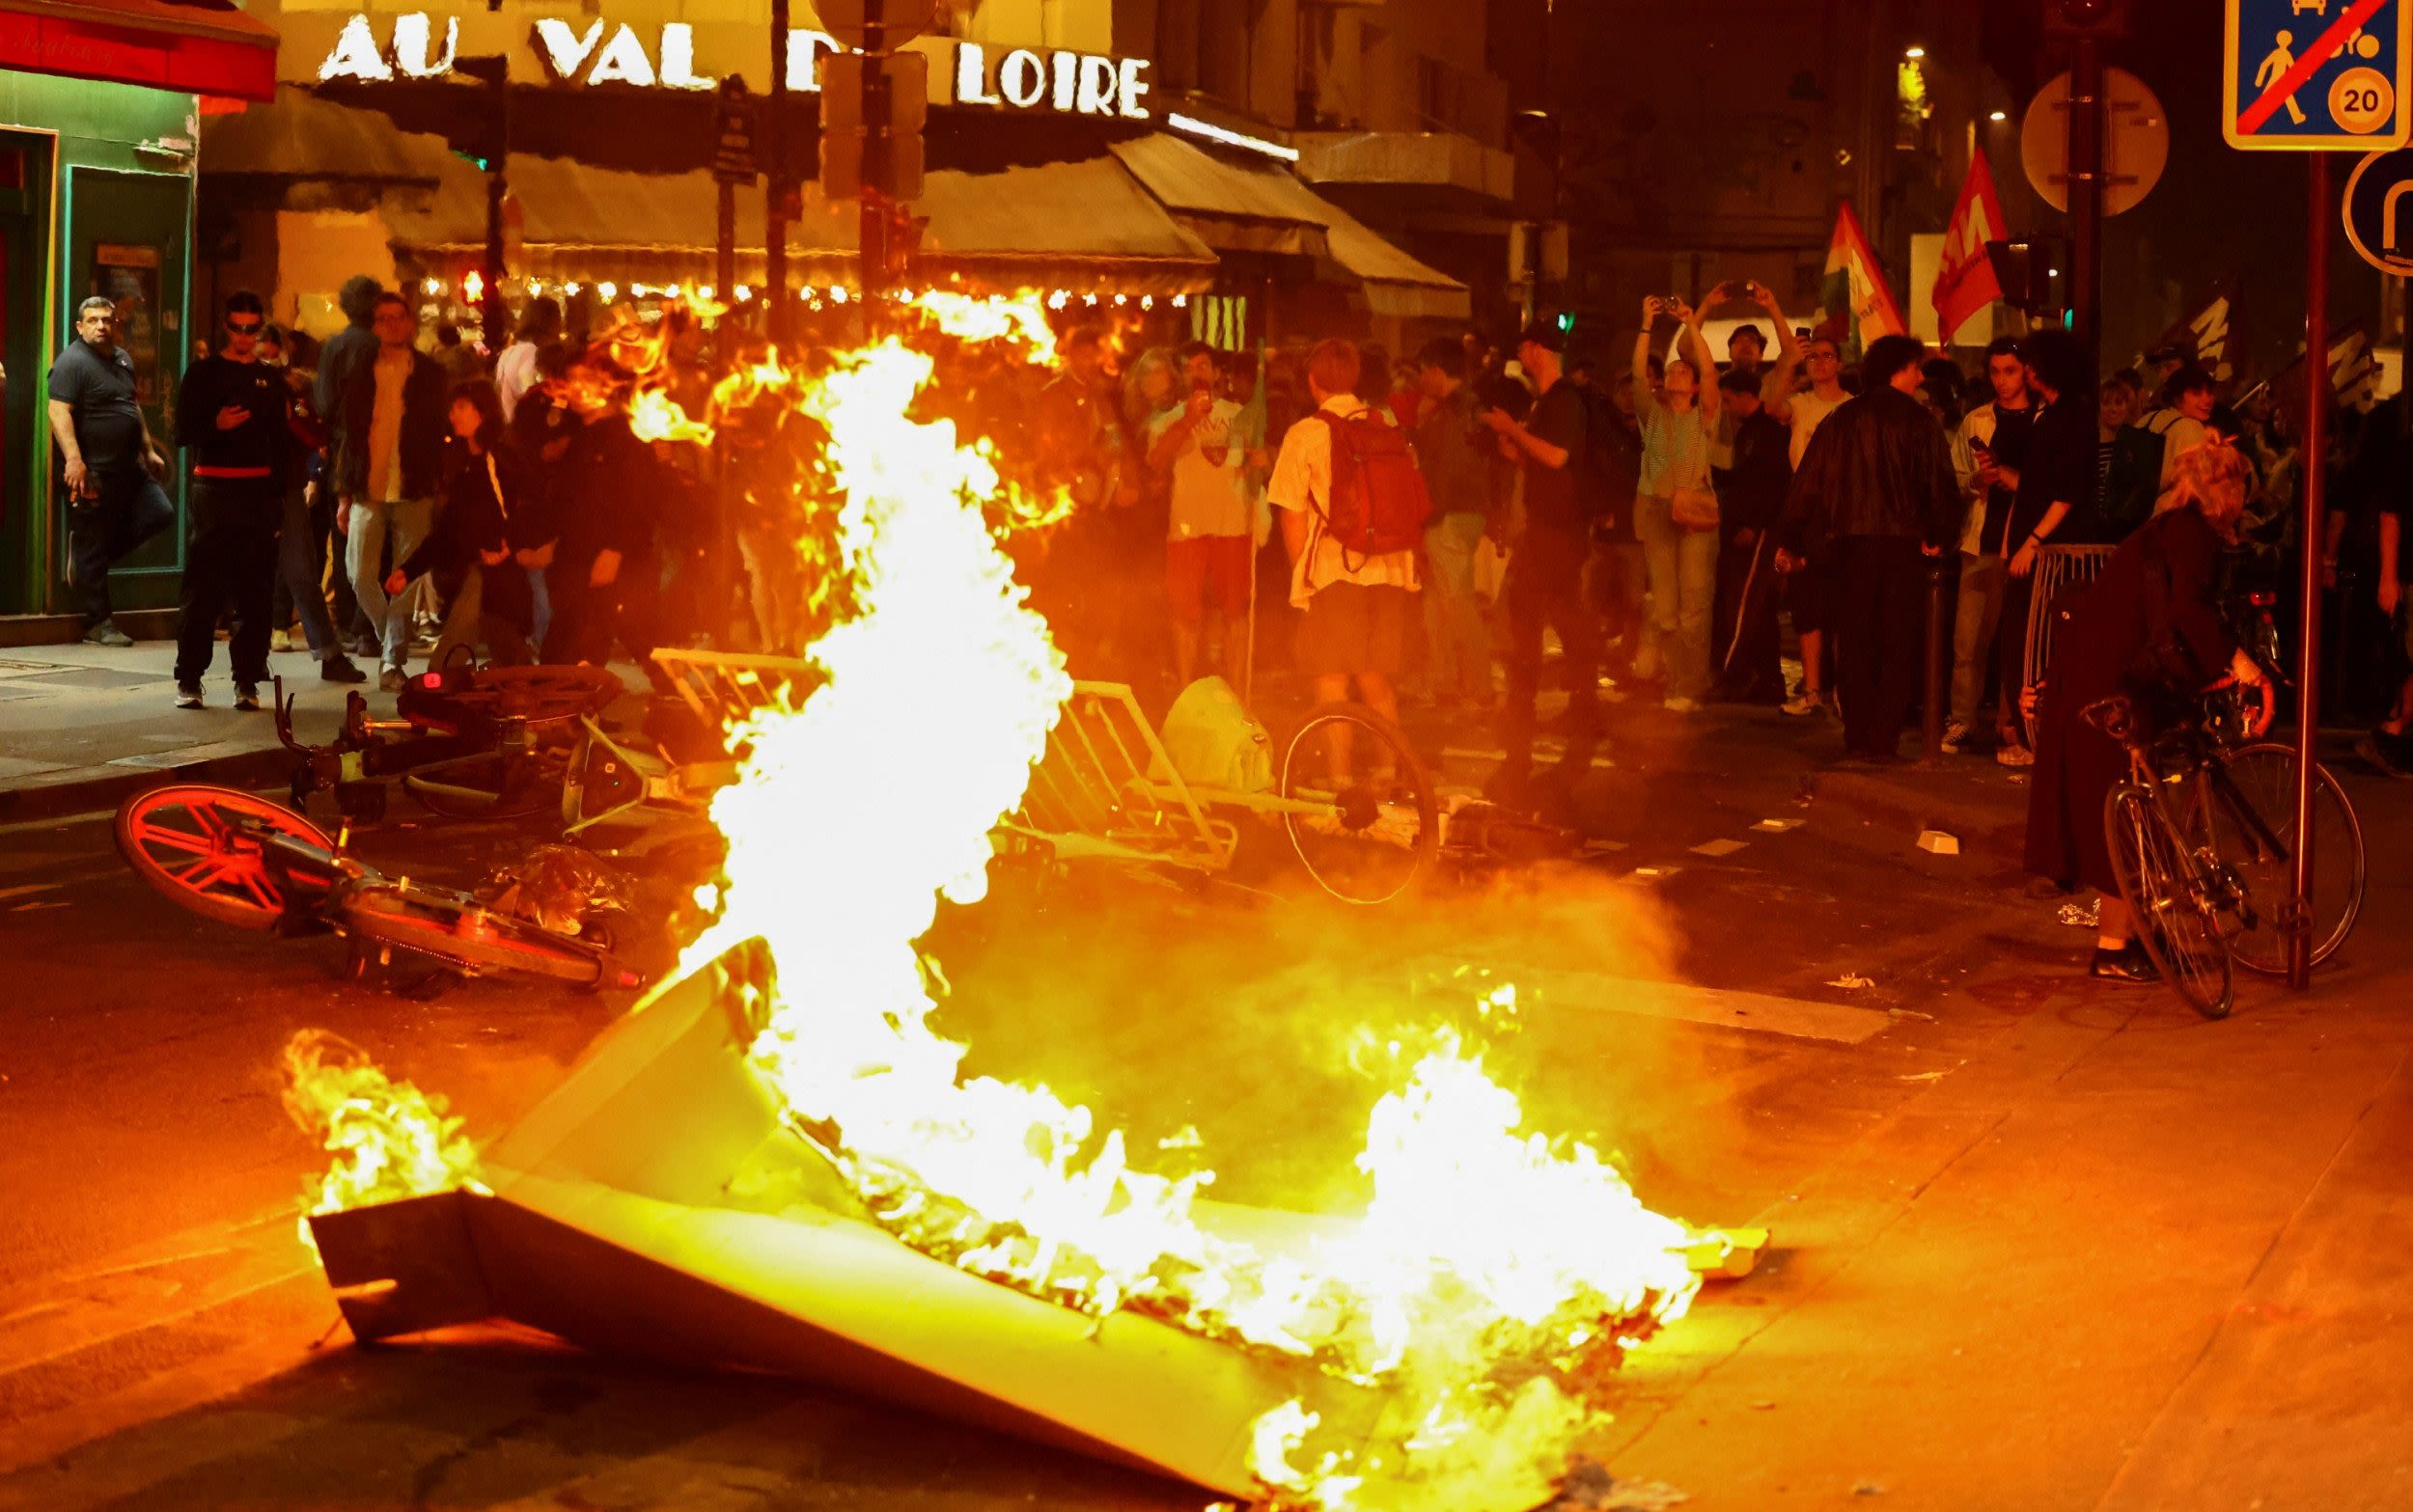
{"x":1441,"y":522}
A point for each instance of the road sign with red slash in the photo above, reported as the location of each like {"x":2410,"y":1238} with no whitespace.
{"x":2305,"y":75}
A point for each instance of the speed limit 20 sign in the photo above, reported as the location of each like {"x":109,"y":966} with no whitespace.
{"x":2312,"y":74}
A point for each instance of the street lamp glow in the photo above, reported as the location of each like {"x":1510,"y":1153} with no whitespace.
{"x":1998,"y":114}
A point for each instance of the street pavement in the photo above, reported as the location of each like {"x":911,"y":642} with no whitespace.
{"x":2038,"y":1243}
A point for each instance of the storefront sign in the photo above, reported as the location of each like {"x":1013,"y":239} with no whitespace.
{"x":598,"y":50}
{"x":1074,"y":83}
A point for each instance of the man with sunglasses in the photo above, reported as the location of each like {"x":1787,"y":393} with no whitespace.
{"x":232,"y":416}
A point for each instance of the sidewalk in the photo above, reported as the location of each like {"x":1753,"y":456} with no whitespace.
{"x":83,"y":726}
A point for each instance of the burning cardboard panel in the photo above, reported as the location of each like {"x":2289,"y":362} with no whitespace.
{"x":653,"y":1206}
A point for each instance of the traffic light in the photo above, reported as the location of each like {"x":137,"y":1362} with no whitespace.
{"x":1567,"y":322}
{"x":486,"y":141}
{"x":2030,"y":273}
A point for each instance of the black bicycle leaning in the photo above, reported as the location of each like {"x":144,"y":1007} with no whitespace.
{"x":2203,"y":836}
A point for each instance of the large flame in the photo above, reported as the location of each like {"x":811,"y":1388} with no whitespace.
{"x":1491,"y":1267}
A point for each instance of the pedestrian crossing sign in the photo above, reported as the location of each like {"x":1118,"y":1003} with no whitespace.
{"x":2307,"y":75}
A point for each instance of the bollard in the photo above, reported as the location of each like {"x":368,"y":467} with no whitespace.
{"x":1939,"y":658}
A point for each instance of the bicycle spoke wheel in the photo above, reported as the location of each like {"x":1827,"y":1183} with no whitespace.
{"x":1373,"y":826}
{"x":2166,"y":898}
{"x":200,"y":846}
{"x":2256,"y":807}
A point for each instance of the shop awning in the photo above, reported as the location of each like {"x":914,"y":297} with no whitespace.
{"x":1080,"y":225}
{"x":303,"y":137}
{"x":1241,"y":207}
{"x":1084,"y":225}
{"x":191,"y":46}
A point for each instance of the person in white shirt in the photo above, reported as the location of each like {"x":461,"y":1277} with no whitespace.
{"x":1212,"y":530}
{"x":515,"y":371}
{"x":1356,"y":611}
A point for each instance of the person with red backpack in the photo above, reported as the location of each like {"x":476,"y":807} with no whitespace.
{"x":1353,"y":510}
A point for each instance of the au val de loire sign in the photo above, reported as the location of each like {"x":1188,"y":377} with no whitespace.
{"x":596,"y":49}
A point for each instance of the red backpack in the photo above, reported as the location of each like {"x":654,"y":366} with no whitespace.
{"x":1378,"y":500}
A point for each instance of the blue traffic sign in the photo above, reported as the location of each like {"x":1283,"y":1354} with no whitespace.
{"x":2380,"y":210}
{"x":2313,"y":74}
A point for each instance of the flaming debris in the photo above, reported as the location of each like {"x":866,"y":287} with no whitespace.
{"x":1492,"y":1269}
{"x":389,"y":1140}
{"x":1494,"y":1274}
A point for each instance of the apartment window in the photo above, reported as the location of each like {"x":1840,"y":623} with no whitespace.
{"x":1436,"y":93}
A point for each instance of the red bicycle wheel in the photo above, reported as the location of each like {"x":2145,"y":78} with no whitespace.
{"x":200,"y":846}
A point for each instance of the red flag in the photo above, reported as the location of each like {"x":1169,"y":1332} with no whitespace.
{"x":1965,"y":284}
{"x":1855,"y":285}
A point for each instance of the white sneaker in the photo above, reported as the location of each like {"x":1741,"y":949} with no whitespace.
{"x":1681,"y":705}
{"x":1956,"y":738}
{"x":280,"y":640}
{"x":2012,"y":754}
{"x":1806,"y":702}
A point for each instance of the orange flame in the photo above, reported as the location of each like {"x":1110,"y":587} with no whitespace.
{"x":390,"y":1140}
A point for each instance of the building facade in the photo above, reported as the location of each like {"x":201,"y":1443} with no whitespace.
{"x":99,"y":122}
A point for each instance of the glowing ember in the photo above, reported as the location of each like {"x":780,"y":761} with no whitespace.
{"x":389,"y":1140}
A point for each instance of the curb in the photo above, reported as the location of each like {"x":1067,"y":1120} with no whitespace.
{"x":245,"y":769}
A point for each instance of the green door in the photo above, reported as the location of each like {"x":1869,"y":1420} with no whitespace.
{"x":25,"y":493}
{"x":128,"y":236}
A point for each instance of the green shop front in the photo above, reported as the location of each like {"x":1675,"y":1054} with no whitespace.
{"x":99,"y":113}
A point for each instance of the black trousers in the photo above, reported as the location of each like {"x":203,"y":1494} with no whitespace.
{"x":230,"y":560}
{"x":1746,"y":659}
{"x":1880,"y":588}
{"x":1545,"y":590}
{"x":588,"y":619}
{"x":133,"y":508}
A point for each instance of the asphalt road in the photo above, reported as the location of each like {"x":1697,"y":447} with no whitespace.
{"x":2008,"y":1203}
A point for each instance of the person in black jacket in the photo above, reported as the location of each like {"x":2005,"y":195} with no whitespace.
{"x":389,"y":454}
{"x":232,"y":415}
{"x":2055,"y":499}
{"x":1750,"y":504}
{"x":604,"y":578}
{"x":1874,"y":500}
{"x":470,"y":551}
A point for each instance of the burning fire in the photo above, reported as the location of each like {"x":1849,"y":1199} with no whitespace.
{"x":1490,"y":1267}
{"x":389,"y":1140}
{"x":1493,"y":1271}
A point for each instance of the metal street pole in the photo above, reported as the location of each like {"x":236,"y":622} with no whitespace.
{"x":2319,"y":207}
{"x":2086,"y":208}
{"x":774,"y":209}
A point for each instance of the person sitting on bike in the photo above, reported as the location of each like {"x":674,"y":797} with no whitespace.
{"x":470,"y":547}
{"x":2149,"y":629}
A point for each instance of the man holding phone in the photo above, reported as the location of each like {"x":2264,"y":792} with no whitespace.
{"x":1213,"y":531}
{"x":232,"y":415}
{"x":1988,"y":451}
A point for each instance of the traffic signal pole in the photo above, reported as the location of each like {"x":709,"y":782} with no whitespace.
{"x":775,"y":187}
{"x":872,"y":215}
{"x":2086,"y":208}
{"x":2320,"y":204}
